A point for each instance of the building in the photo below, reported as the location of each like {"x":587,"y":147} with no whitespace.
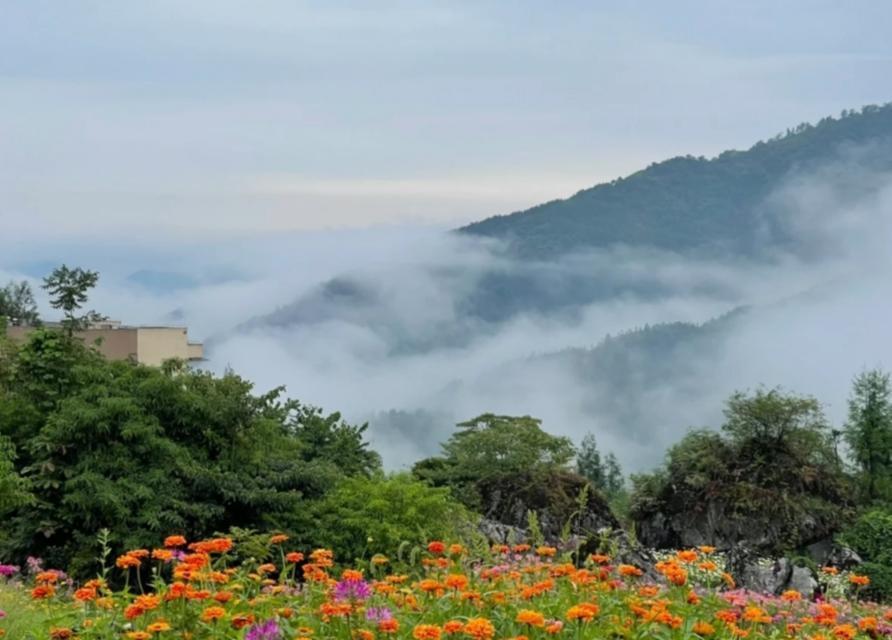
{"x":146,"y":345}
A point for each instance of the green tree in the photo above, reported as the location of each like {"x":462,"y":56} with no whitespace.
{"x":492,"y":445}
{"x":14,"y":489}
{"x":588,"y":461}
{"x":17,"y":304}
{"x":614,"y":480}
{"x":868,"y":431}
{"x":147,"y":451}
{"x":770,"y":477}
{"x":68,"y":290}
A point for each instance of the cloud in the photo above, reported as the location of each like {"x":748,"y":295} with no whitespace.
{"x":414,"y":329}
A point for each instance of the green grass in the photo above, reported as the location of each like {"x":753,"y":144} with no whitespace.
{"x":25,"y":619}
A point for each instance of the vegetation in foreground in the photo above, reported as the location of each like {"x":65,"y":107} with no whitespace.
{"x":269,"y":590}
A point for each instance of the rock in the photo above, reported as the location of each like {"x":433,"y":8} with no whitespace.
{"x":765,"y":575}
{"x":802,"y":580}
{"x":499,"y":533}
{"x":554,"y":498}
{"x":829,"y":553}
{"x":718,"y":523}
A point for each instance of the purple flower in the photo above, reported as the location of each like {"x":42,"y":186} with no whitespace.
{"x":8,"y":570}
{"x":352,"y":590}
{"x":378,"y":614}
{"x":268,"y":630}
{"x":2,"y":614}
{"x":35,"y":565}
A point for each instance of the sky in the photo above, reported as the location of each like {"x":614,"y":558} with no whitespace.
{"x":181,"y":119}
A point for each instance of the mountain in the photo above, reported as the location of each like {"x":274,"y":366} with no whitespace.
{"x":686,"y":204}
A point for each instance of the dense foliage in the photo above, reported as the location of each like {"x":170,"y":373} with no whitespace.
{"x":771,"y":476}
{"x":493,"y":446}
{"x":141,"y":450}
{"x":869,"y":433}
{"x":871,"y":537}
{"x":687,"y":203}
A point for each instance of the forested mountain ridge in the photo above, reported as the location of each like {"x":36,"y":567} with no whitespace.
{"x":691,"y":203}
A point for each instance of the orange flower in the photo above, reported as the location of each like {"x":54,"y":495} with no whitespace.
{"x":791,"y":595}
{"x":294,"y":557}
{"x":174,"y":541}
{"x":869,"y":623}
{"x":61,"y":633}
{"x":456,"y":581}
{"x":703,"y":628}
{"x":138,"y":635}
{"x":426,"y":632}
{"x":389,"y":626}
{"x":43,"y":591}
{"x":454,"y":626}
{"x":687,"y":556}
{"x":599,"y":558}
{"x":212,"y":614}
{"x":479,"y":629}
{"x":629,"y":570}
{"x":844,"y":632}
{"x":706,"y":549}
{"x":279,"y":538}
{"x":436,"y":547}
{"x":530,"y":617}
{"x":127,"y":561}
{"x":242,"y":620}
{"x":164,"y":555}
{"x":584,"y":612}
{"x":85,"y":594}
{"x":546,"y":552}
{"x":158,"y":627}
{"x":554,"y":627}
{"x":861,"y":581}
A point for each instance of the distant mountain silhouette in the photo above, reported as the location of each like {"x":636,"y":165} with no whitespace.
{"x":688,"y":204}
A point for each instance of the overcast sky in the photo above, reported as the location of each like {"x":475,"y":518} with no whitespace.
{"x":221,"y":117}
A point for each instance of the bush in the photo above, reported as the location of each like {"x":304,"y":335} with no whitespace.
{"x":364,"y":516}
{"x":871,"y":537}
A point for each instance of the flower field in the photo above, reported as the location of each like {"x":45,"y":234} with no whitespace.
{"x":207,"y":590}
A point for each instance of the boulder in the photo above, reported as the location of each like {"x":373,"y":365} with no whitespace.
{"x":770,"y":576}
{"x":829,"y":553}
{"x":721,"y":524}
{"x":554,"y":497}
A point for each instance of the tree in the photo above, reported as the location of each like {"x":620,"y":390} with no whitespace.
{"x":17,"y":304}
{"x":770,"y":478}
{"x":588,"y":461}
{"x":145,"y":451}
{"x":492,"y":445}
{"x":605,"y":473}
{"x":868,"y":431}
{"x":68,"y":291}
{"x":614,"y":481}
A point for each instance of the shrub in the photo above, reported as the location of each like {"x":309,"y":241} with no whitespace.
{"x":364,"y":516}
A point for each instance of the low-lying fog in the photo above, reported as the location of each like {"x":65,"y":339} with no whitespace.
{"x":415,"y":329}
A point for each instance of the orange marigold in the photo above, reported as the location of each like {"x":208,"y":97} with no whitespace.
{"x":530,"y":617}
{"x":436,"y":547}
{"x":213,"y":613}
{"x":702,"y":628}
{"x":174,"y":541}
{"x":479,"y":629}
{"x":426,"y":632}
{"x":389,"y":626}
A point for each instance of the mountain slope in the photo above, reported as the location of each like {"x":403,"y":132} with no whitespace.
{"x":694,"y":204}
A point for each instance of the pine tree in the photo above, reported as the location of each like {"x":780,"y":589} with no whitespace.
{"x":869,"y":429}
